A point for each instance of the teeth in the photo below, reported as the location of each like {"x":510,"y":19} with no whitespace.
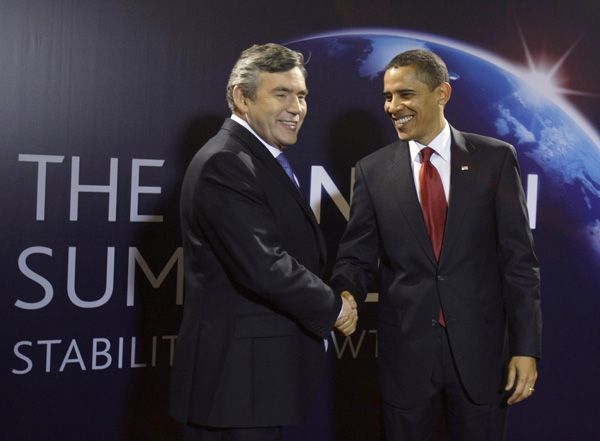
{"x":291,"y":125}
{"x":404,"y":119}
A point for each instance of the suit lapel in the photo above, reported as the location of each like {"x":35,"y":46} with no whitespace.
{"x":268,"y":161}
{"x":460,"y":182}
{"x":400,"y":177}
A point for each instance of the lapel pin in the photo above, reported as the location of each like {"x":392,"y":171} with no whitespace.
{"x":464,"y":167}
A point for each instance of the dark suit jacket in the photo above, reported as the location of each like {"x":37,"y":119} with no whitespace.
{"x":487,"y":278}
{"x":250,"y":349}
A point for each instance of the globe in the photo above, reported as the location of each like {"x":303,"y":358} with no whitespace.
{"x":559,"y":155}
{"x":490,"y":98}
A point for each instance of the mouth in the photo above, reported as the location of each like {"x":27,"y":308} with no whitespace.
{"x":291,"y":125}
{"x":400,"y":121}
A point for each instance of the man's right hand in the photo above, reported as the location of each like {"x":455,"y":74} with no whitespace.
{"x":346,"y":323}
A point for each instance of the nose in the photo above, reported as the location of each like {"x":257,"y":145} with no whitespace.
{"x":295,"y":105}
{"x":394,"y":105}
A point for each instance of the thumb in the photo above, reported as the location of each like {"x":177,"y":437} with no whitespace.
{"x":350,"y":298}
{"x":510,"y":380}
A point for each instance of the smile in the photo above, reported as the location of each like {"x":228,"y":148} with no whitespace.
{"x":403,"y":120}
{"x":290,"y":124}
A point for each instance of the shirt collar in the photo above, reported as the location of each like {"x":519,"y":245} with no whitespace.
{"x":274,"y":151}
{"x":441,"y":145}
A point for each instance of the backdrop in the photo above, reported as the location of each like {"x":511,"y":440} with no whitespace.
{"x":103,"y":103}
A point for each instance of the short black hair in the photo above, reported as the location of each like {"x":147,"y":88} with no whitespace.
{"x":430,"y":68}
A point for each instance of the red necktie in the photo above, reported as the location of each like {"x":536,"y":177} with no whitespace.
{"x":434,"y":206}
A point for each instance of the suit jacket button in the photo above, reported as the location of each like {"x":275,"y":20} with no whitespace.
{"x":434,"y":322}
{"x":440,"y":278}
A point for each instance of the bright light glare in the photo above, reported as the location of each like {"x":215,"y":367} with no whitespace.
{"x":543,"y":79}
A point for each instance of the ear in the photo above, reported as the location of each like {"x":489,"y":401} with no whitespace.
{"x":445,"y":90}
{"x":240,"y":99}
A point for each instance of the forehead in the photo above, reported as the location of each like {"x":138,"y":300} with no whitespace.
{"x":292,"y":79}
{"x":402,"y":77}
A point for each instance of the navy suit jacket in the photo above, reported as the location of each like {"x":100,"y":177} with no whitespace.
{"x":487,"y":278}
{"x":250,"y":349}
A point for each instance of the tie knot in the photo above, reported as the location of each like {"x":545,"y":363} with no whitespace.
{"x":426,"y":153}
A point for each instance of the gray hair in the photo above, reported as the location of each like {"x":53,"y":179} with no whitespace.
{"x":430,"y":68}
{"x":268,"y":57}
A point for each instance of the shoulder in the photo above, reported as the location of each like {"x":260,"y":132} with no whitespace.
{"x":223,"y":160}
{"x":229,"y":144}
{"x":383,"y":155}
{"x":483,"y":148}
{"x":476,"y":141}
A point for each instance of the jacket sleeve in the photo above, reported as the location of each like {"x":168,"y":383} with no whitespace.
{"x":520,"y":267}
{"x":232,"y":209}
{"x":359,"y":249}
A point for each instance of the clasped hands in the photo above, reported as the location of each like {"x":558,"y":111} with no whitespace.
{"x":346,"y":323}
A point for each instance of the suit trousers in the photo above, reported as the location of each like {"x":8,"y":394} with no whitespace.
{"x":449,"y":414}
{"x":202,"y":433}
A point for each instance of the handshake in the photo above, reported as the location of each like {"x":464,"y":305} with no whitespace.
{"x":346,"y":323}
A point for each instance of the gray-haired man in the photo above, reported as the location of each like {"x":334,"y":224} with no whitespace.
{"x":250,"y":351}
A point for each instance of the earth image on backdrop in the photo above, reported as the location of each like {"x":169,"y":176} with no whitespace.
{"x":488,"y":98}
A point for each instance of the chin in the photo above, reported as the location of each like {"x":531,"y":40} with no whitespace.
{"x":403,"y":136}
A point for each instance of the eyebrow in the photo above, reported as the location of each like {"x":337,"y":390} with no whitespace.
{"x":288,"y":90}
{"x":400,"y":91}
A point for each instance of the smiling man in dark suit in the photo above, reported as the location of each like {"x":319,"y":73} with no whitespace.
{"x":250,"y":349}
{"x":440,"y":215}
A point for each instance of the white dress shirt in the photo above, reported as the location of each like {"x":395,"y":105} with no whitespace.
{"x":440,"y":159}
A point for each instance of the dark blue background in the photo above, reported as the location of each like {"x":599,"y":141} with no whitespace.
{"x":146,"y":79}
